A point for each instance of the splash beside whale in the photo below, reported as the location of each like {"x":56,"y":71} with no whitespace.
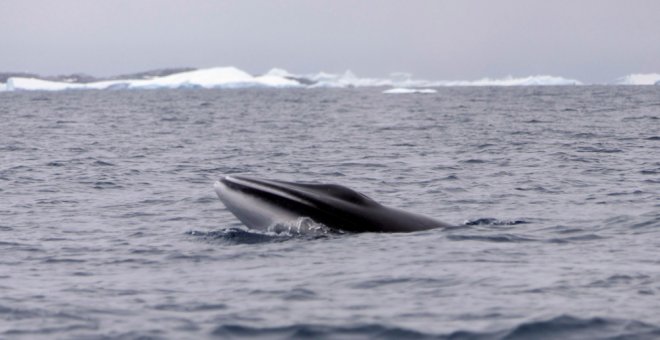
{"x":260,"y":204}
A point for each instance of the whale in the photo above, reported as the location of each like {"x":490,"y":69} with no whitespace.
{"x":262,"y":203}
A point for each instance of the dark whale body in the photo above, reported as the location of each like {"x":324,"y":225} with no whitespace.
{"x":261,"y":203}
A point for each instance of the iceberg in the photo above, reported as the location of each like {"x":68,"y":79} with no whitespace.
{"x":405,"y":80}
{"x":218,"y":77}
{"x":640,"y":79}
{"x":33,"y":84}
{"x":403,"y":90}
{"x":539,"y":80}
{"x":232,"y":77}
{"x":278,"y":72}
{"x":347,"y":79}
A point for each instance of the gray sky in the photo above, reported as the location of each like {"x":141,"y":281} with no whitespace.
{"x":591,"y":40}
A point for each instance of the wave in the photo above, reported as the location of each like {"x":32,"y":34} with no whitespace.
{"x":237,"y":236}
{"x":302,"y":228}
{"x":640,"y":79}
{"x":232,"y":78}
{"x":493,"y":221}
{"x":564,"y":326}
{"x":308,"y":331}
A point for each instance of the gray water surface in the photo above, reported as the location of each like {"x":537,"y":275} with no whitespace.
{"x":109,"y":226}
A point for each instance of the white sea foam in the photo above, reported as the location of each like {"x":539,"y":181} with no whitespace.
{"x":641,"y":79}
{"x":231,"y":77}
{"x":300,"y":226}
{"x":3,"y":87}
{"x":403,"y":90}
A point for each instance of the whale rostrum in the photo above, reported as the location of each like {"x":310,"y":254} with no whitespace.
{"x":261,"y":203}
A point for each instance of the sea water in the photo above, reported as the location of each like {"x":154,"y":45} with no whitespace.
{"x":110,"y":228}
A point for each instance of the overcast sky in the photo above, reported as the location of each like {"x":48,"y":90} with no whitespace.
{"x":590,"y":40}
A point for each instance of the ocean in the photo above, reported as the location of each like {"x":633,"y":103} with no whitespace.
{"x":110,"y":227}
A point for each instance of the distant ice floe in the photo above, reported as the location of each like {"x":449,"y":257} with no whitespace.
{"x":33,"y":84}
{"x":232,"y":77}
{"x":218,"y":77}
{"x":641,"y":79}
{"x":538,"y":80}
{"x":347,"y":79}
{"x":404,"y":80}
{"x":403,"y":90}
